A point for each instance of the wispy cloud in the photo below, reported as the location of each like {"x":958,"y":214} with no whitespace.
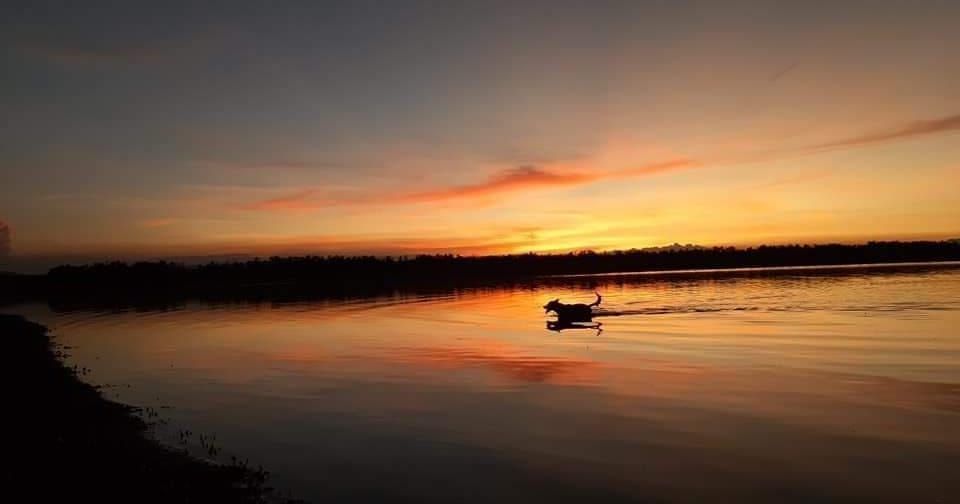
{"x":298,"y":201}
{"x":482,"y":241}
{"x":656,"y":168}
{"x":911,"y":129}
{"x":531,"y":177}
{"x":514,"y":179}
{"x":285,"y":166}
{"x":158,"y":223}
{"x":518,"y":179}
{"x":779,"y":74}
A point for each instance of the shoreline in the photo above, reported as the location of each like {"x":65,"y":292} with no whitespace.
{"x":762,"y":269}
{"x":66,"y":441}
{"x":108,"y":291}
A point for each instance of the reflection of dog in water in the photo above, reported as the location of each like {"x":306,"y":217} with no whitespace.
{"x":568,"y":313}
{"x":557,"y":325}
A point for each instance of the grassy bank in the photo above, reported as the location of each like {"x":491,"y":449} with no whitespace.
{"x":64,"y":441}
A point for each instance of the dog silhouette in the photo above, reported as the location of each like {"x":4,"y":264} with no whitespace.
{"x":566,"y":313}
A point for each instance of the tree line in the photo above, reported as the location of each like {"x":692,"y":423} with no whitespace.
{"x":369,"y":275}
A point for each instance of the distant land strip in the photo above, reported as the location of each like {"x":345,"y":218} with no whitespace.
{"x":308,"y":277}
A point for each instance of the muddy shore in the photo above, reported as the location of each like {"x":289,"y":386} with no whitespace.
{"x":65,"y":441}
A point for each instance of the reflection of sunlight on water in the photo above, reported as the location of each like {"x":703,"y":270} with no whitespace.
{"x":732,"y":379}
{"x":504,"y":359}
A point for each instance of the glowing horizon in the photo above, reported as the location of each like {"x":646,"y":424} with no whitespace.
{"x":479,"y":129}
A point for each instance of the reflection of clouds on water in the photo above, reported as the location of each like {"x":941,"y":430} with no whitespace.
{"x":727,"y":379}
{"x":505,"y":360}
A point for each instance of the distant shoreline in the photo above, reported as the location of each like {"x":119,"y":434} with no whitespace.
{"x":813,"y":267}
{"x":308,"y":277}
{"x":66,"y":442}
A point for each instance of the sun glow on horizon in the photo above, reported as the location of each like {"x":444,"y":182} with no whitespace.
{"x":601,"y":139}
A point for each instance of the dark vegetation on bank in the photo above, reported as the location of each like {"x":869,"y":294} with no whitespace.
{"x":66,"y":443}
{"x":340,"y":276}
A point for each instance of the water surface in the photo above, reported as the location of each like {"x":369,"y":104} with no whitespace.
{"x":788,"y":386}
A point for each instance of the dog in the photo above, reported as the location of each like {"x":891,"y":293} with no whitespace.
{"x":579,"y":312}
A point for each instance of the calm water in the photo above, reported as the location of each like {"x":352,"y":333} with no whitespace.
{"x":796,"y":386}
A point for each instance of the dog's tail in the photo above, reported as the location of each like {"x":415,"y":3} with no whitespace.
{"x":597,"y":302}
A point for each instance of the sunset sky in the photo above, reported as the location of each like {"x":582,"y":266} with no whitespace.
{"x":199,"y":128}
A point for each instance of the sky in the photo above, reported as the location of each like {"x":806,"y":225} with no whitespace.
{"x":165,"y":129}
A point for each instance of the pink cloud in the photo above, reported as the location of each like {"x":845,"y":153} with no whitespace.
{"x":513,"y":179}
{"x":522,"y":178}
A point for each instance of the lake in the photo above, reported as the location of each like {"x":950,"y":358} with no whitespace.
{"x":793,"y":385}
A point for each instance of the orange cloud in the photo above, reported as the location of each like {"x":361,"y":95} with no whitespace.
{"x":911,"y":129}
{"x":509,"y":180}
{"x":299,"y":201}
{"x":514,"y":179}
{"x":492,"y":242}
{"x":530,"y":177}
{"x":660,"y":167}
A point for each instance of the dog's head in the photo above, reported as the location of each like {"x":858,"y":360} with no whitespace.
{"x":552,"y":306}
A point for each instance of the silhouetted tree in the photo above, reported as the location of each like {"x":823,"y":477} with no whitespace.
{"x":359,"y":276}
